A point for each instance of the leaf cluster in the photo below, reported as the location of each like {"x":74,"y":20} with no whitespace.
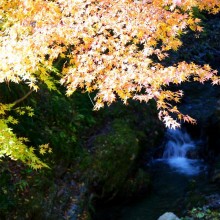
{"x":105,"y":47}
{"x":202,"y":213}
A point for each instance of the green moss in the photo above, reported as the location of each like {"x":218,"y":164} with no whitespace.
{"x":138,"y":185}
{"x":114,"y":159}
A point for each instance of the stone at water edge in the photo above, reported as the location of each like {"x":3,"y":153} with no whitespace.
{"x":168,"y":216}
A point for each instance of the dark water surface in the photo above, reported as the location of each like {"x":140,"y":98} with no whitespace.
{"x":169,"y":190}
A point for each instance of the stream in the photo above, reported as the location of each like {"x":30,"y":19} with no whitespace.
{"x":174,"y":175}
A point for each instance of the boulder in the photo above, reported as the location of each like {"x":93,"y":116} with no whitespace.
{"x":168,"y":216}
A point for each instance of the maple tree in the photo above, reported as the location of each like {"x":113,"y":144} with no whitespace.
{"x":107,"y":46}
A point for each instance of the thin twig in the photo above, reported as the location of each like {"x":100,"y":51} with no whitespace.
{"x":91,"y":100}
{"x":22,"y":98}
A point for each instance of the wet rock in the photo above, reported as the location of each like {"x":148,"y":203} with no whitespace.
{"x":216,"y":176}
{"x":168,"y":216}
{"x":215,"y":170}
{"x":213,"y":201}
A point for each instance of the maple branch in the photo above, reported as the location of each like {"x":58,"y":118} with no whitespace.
{"x":22,"y":98}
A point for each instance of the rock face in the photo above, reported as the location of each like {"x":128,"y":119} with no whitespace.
{"x":168,"y":216}
{"x":213,"y":201}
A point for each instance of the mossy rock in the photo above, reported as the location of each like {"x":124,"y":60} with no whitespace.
{"x":114,"y":158}
{"x":137,"y":186}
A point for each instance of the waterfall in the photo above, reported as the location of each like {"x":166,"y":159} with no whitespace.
{"x":177,"y":146}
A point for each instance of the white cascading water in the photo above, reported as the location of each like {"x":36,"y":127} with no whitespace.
{"x":177,"y":147}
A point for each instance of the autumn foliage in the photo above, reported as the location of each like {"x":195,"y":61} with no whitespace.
{"x":107,"y":47}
